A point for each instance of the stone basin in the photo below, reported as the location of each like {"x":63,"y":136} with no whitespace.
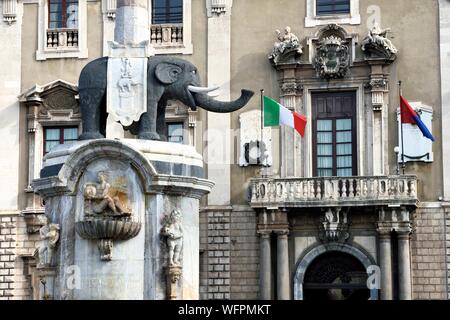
{"x":107,"y":228}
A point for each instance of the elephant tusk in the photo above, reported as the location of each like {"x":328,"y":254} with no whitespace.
{"x":202,"y":89}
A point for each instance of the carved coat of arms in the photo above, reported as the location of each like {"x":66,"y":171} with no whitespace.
{"x":127,"y":89}
{"x":332,"y":58}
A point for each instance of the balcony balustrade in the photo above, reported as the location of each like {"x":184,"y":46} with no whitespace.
{"x":334,"y":192}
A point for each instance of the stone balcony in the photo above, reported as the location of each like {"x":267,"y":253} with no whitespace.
{"x":273,"y":193}
{"x":62,"y":38}
{"x":166,"y":35}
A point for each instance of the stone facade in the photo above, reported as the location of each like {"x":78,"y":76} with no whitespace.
{"x":428,"y":254}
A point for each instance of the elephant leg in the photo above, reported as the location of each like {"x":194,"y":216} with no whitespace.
{"x":91,"y":101}
{"x":147,"y":124}
{"x":161,"y":126}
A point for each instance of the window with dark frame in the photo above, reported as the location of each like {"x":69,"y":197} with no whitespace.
{"x":334,"y":134}
{"x":167,"y":11}
{"x":332,"y":7}
{"x":54,"y":136}
{"x":175,"y":132}
{"x":62,"y":14}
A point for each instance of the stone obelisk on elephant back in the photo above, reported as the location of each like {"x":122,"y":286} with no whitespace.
{"x":122,"y":214}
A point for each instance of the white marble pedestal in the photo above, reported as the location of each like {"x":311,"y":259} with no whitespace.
{"x":152,"y":179}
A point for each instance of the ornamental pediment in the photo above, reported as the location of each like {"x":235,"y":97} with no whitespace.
{"x":58,"y":97}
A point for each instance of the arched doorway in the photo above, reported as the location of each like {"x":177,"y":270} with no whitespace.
{"x":338,"y":269}
{"x":335,"y":276}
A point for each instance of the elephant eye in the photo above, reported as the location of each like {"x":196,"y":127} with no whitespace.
{"x":194,"y":71}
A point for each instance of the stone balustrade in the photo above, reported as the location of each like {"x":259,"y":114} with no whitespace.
{"x":166,"y":35}
{"x":62,"y":38}
{"x":333,"y":191}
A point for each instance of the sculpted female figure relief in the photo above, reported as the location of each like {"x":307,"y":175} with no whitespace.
{"x":101,"y":199}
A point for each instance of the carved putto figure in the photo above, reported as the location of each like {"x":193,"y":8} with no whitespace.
{"x":50,"y":236}
{"x":287,"y":42}
{"x":377,"y":38}
{"x":173,"y":231}
{"x":100,"y":198}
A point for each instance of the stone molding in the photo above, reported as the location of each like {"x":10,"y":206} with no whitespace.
{"x":65,"y":180}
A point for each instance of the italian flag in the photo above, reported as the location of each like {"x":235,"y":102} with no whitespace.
{"x":275,"y":115}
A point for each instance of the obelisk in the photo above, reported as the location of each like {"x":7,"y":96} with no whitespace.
{"x":131,"y":39}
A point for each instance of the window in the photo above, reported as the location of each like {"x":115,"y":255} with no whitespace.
{"x":63,"y":14}
{"x":175,"y":132}
{"x":334,"y":134}
{"x":170,"y":29}
{"x":54,"y":136}
{"x":167,"y":11}
{"x":324,"y":12}
{"x":332,"y":7}
{"x":62,"y":29}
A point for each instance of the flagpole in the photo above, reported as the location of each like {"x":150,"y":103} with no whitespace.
{"x":401,"y":127}
{"x":262,"y":127}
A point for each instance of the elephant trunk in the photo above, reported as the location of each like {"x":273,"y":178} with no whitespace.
{"x":210,"y":104}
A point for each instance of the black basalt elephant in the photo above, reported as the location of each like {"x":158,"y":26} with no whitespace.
{"x":167,"y":78}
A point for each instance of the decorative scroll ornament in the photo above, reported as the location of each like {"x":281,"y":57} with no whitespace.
{"x":107,"y":216}
{"x":334,"y":225}
{"x":287,"y":49}
{"x":332,"y":58}
{"x":377,"y":45}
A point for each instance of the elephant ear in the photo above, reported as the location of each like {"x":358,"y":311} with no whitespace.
{"x":167,"y":73}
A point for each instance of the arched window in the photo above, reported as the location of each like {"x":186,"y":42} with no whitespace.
{"x":332,"y":7}
{"x":167,"y":11}
{"x":63,"y":14}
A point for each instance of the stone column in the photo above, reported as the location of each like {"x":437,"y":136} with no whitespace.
{"x":291,"y":142}
{"x":386,"y":264}
{"x":404,"y":265}
{"x":379,"y":121}
{"x":265,"y":266}
{"x":131,"y":22}
{"x":218,"y":135}
{"x":283,"y":287}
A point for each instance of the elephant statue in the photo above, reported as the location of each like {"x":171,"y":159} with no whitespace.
{"x":167,"y":78}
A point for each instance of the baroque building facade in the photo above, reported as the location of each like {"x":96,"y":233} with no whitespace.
{"x":331,"y":215}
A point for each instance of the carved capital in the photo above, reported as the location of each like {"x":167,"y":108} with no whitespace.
{"x":290,"y":88}
{"x":283,"y":233}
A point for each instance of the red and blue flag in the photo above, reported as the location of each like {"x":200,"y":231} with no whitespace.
{"x":408,"y":115}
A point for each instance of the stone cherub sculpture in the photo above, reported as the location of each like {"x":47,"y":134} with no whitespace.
{"x":377,"y":38}
{"x":49,"y":238}
{"x":99,"y":199}
{"x":287,"y":42}
{"x":173,"y":231}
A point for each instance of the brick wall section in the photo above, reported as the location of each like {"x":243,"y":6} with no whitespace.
{"x":447,"y":222}
{"x":7,"y":256}
{"x":215,"y":238}
{"x":244,"y":255}
{"x":428,"y":255}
